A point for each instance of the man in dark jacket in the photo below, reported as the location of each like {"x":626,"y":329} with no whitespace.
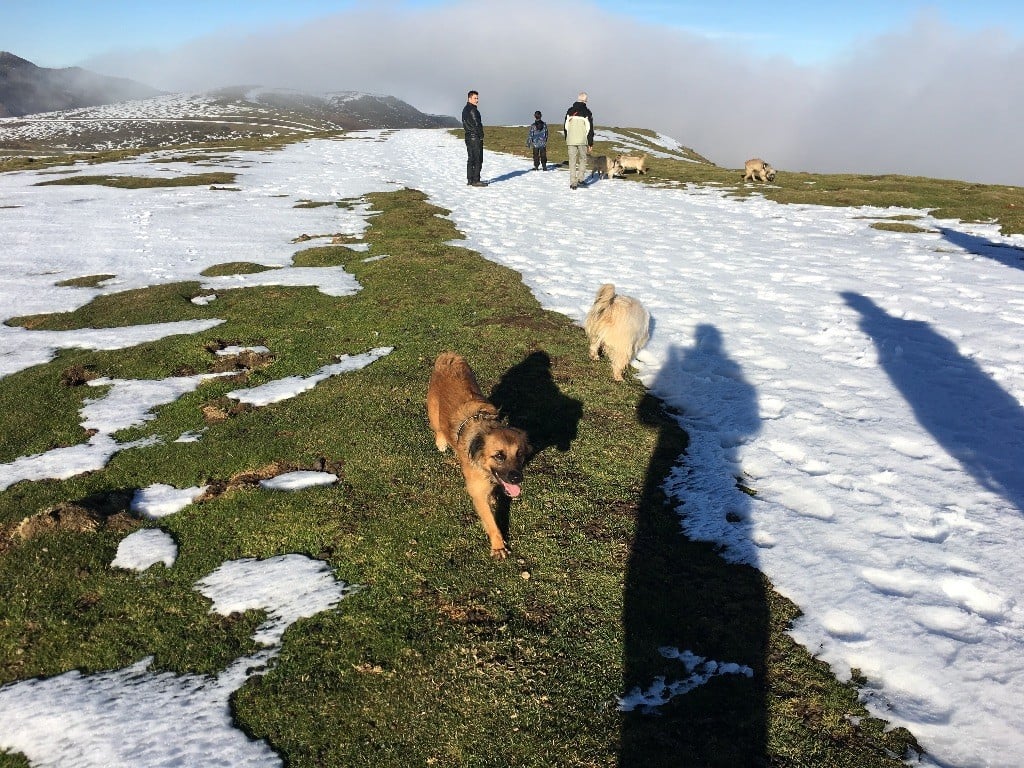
{"x":474,"y":128}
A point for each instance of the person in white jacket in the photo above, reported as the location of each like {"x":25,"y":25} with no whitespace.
{"x":579,"y":138}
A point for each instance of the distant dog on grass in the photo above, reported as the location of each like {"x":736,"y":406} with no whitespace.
{"x":618,"y":325}
{"x":605,"y":166}
{"x":491,"y":454}
{"x":756,"y":168}
{"x":636,"y":163}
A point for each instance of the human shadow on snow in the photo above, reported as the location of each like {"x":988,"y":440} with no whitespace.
{"x":1009,"y":255}
{"x":508,"y":176}
{"x":974,"y":419}
{"x":681,"y":596}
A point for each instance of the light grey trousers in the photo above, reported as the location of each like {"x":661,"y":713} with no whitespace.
{"x":577,"y":163}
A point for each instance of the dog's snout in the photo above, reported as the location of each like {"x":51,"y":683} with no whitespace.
{"x":515,"y":476}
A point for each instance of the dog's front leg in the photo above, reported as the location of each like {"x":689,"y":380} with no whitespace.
{"x":480,"y":491}
{"x":440,"y":441}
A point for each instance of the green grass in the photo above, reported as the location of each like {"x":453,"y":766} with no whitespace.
{"x":445,"y":657}
{"x":86,"y":281}
{"x":144,"y":182}
{"x":897,"y":226}
{"x":235,"y":268}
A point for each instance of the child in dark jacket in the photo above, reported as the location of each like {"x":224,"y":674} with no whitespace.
{"x":537,"y":140}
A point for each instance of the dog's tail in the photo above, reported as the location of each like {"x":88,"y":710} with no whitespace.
{"x":605,"y":296}
{"x":447,"y":360}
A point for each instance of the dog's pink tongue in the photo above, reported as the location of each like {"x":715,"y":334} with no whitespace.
{"x":511,"y":490}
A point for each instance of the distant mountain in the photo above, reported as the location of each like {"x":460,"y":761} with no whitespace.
{"x":342,"y":109}
{"x":26,"y":88}
{"x":76,"y":110}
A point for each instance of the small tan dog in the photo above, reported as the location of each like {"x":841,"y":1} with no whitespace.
{"x":619,"y":325}
{"x":491,"y":454}
{"x":757,"y":168}
{"x":636,"y":163}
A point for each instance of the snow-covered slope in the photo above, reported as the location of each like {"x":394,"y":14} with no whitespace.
{"x":231,"y":113}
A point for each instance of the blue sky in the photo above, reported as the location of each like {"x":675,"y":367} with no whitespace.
{"x":811,"y":32}
{"x":876,"y":86}
{"x":61,"y":33}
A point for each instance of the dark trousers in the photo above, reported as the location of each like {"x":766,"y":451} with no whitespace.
{"x":540,"y":157}
{"x":475,"y":153}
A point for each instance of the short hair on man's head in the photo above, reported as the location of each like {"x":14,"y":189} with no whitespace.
{"x":472,"y":93}
{"x":582,"y":96}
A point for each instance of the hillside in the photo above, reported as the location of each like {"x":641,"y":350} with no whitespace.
{"x":438,"y":644}
{"x":340,"y":109}
{"x":26,"y":88}
{"x":76,"y":110}
{"x":609,"y":639}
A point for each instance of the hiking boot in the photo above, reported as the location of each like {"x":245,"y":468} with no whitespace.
{"x":478,"y":183}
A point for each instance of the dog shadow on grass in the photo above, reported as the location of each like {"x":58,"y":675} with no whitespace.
{"x":695,"y":625}
{"x":1010,"y":255}
{"x":529,"y":397}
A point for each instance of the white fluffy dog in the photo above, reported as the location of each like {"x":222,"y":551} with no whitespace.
{"x":619,"y":325}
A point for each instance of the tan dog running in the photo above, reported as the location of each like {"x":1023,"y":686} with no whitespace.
{"x":619,"y":325}
{"x":756,"y":168}
{"x":491,"y":454}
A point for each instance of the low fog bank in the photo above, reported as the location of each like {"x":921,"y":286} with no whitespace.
{"x":926,"y":100}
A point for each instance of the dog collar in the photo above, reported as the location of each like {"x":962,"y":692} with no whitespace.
{"x":475,"y":416}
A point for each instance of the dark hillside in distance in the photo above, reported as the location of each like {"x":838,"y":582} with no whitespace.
{"x":351,"y":110}
{"x":26,"y":89}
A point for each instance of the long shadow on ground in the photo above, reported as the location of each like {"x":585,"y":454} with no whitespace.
{"x":1009,"y":255}
{"x":682,"y":598}
{"x":528,"y":397}
{"x":974,"y":419}
{"x":507,"y":176}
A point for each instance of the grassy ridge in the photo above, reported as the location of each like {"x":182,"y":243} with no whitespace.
{"x":444,"y":657}
{"x":944,"y":198}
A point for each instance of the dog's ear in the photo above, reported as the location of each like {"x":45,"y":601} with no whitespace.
{"x":476,"y":446}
